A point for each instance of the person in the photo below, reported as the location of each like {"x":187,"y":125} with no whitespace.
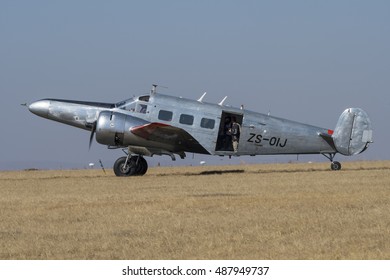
{"x":227,"y":137}
{"x":143,"y":109}
{"x":235,"y":134}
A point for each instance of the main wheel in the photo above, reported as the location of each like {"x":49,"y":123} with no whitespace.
{"x":120,"y":169}
{"x":335,"y":165}
{"x":141,"y":167}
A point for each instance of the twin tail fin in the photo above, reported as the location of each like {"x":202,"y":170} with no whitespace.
{"x":353,"y":132}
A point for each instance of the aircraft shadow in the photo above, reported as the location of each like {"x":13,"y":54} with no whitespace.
{"x":208,"y":172}
{"x":265,"y":171}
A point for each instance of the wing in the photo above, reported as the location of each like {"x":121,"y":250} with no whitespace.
{"x":176,"y":137}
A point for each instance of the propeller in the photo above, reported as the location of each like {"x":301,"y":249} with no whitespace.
{"x":93,"y":130}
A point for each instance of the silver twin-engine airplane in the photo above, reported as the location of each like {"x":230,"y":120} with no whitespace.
{"x":157,"y":124}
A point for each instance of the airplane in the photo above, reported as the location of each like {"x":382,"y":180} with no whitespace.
{"x":159,"y":124}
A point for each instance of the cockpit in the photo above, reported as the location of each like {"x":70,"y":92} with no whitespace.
{"x":135,"y":104}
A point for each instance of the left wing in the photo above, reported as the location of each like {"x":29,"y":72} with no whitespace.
{"x":176,"y":137}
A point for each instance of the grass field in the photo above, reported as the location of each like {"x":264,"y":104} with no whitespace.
{"x":279,"y":211}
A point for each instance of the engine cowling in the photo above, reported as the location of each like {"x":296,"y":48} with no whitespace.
{"x":114,"y":129}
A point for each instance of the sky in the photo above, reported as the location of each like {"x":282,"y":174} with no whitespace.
{"x":301,"y":60}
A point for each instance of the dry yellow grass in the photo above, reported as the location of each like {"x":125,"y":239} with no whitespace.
{"x":283,"y":211}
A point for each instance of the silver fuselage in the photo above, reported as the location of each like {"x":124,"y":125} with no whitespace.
{"x":260,"y":134}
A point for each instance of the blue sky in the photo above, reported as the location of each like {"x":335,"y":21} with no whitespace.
{"x":302,"y":60}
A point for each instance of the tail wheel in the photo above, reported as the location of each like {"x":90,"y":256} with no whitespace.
{"x":335,"y":165}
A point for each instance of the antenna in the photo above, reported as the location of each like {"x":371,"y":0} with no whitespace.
{"x":154,"y":88}
{"x":201,"y":98}
{"x":223,"y":100}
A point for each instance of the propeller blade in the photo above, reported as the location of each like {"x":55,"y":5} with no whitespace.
{"x":92,"y":134}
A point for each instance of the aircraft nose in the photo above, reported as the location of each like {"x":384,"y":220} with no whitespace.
{"x":40,"y":108}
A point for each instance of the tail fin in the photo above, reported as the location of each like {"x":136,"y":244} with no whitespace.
{"x":353,"y":132}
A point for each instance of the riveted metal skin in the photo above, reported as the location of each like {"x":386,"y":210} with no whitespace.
{"x":158,"y":124}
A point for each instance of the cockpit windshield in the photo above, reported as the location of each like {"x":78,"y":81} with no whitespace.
{"x":134,"y":104}
{"x":126,"y":103}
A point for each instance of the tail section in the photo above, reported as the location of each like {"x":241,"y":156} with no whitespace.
{"x":353,"y":132}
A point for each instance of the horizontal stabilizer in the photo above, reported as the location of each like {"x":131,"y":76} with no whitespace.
{"x":353,"y":132}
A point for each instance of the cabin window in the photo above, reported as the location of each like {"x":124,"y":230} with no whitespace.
{"x":186,"y":119}
{"x":165,"y":115}
{"x":207,"y":123}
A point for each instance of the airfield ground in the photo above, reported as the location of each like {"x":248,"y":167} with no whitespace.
{"x":279,"y":211}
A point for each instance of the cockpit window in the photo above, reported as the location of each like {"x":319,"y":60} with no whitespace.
{"x":126,"y":103}
{"x":144,"y":98}
{"x":142,"y":108}
{"x":134,"y":104}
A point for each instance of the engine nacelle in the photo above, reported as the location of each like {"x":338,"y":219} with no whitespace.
{"x":114,"y":129}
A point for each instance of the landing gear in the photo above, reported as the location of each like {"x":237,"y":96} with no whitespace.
{"x":130,"y":166}
{"x":334,"y":165}
{"x":142,"y":166}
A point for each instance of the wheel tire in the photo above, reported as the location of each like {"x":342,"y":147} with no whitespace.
{"x":335,"y":165}
{"x":142,"y":166}
{"x":121,"y":170}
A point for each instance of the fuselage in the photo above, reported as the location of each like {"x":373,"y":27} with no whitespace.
{"x":260,"y":134}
